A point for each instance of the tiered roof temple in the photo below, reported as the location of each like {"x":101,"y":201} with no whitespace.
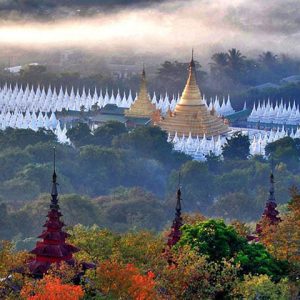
{"x":53,"y":248}
{"x":142,"y":106}
{"x":175,"y":233}
{"x":191,"y":114}
{"x":270,"y":214}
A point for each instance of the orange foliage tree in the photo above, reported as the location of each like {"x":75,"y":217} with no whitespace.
{"x":241,"y":228}
{"x":283,"y":240}
{"x":51,"y":288}
{"x":193,"y":277}
{"x":11,"y":263}
{"x":124,"y":281}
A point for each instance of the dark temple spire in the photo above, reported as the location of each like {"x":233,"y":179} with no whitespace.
{"x":272,"y":189}
{"x":54,"y":193}
{"x":52,"y":248}
{"x":270,"y":214}
{"x":175,"y":233}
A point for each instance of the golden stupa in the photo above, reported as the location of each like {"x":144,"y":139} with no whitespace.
{"x":142,"y":106}
{"x":191,"y":114}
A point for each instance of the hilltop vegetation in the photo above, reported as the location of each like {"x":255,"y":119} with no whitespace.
{"x":117,"y":195}
{"x":123,"y":180}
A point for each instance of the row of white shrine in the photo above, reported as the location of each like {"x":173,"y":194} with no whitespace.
{"x":48,"y":100}
{"x":35,"y":108}
{"x":199,"y":148}
{"x":279,"y":113}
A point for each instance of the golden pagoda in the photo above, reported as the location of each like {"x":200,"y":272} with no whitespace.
{"x":191,"y":114}
{"x":142,"y":106}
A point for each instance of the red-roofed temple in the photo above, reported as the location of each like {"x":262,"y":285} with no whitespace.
{"x":53,"y":247}
{"x":270,"y":214}
{"x":175,"y":233}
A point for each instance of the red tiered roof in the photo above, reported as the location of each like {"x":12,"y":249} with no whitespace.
{"x":270,"y":214}
{"x":53,"y":248}
{"x":175,"y":233}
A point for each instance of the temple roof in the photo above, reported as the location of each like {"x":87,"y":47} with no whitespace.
{"x":142,"y":107}
{"x":270,"y":214}
{"x":53,"y":247}
{"x":175,"y":233}
{"x":191,"y":94}
{"x":191,"y":116}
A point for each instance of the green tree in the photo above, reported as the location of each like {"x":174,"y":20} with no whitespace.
{"x":195,"y":179}
{"x":285,"y":150}
{"x":132,"y":208}
{"x":212,"y":238}
{"x":24,"y":137}
{"x":80,"y":134}
{"x":219,"y":241}
{"x":236,"y":147}
{"x":148,"y":142}
{"x":104,"y":134}
{"x":236,"y":205}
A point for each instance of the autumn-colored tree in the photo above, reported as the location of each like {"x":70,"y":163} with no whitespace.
{"x":193,"y":277}
{"x":123,"y":281}
{"x":11,"y":263}
{"x":51,"y":288}
{"x":283,"y":240}
{"x":241,"y":228}
{"x":262,"y":287}
{"x":284,"y":243}
{"x":95,"y":244}
{"x":143,"y":249}
{"x":267,"y":236}
{"x":175,"y":279}
{"x":193,"y":218}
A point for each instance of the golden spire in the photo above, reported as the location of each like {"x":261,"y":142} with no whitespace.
{"x":142,"y":107}
{"x":191,"y":94}
{"x":191,"y":115}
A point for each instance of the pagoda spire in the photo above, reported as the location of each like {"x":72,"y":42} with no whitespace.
{"x":270,"y":214}
{"x":54,"y":193}
{"x":142,"y":106}
{"x":175,"y":233}
{"x":191,"y":94}
{"x":53,"y":247}
{"x":191,"y":114}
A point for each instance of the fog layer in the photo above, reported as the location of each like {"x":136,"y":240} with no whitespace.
{"x":170,"y":27}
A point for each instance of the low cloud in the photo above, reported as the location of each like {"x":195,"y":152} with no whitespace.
{"x":171,"y":27}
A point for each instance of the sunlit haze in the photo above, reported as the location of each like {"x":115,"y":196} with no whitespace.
{"x":169,"y":27}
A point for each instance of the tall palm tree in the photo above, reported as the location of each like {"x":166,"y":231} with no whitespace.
{"x":219,"y":63}
{"x":268,"y":59}
{"x":235,"y":59}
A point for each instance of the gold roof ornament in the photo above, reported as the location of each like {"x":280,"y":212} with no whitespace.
{"x":142,"y":107}
{"x":191,"y":114}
